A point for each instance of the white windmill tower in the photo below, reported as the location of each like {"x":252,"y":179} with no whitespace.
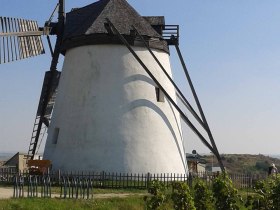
{"x":116,"y":108}
{"x":109,"y":114}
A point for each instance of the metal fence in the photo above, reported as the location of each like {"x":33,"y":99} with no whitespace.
{"x":41,"y":186}
{"x":119,"y":180}
{"x":7,"y":174}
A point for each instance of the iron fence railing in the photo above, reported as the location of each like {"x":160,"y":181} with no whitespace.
{"x":125,"y":180}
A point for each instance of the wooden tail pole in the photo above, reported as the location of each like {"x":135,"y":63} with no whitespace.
{"x":183,"y":98}
{"x":53,"y":74}
{"x":216,"y":152}
{"x":185,"y":118}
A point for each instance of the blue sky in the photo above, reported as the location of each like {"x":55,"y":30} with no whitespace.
{"x":232,"y":50}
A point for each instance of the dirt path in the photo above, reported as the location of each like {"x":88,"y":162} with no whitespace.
{"x":119,"y":195}
{"x":6,"y":193}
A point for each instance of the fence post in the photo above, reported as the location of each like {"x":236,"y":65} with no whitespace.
{"x":59,"y":176}
{"x":91,"y":187}
{"x":36,"y":185}
{"x":148,"y":180}
{"x":15,"y":194}
{"x":49,"y":186}
{"x":102,"y":178}
{"x":29,"y":184}
{"x":190,"y":179}
{"x":21,"y":185}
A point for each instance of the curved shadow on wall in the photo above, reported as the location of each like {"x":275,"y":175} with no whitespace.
{"x":146,"y":103}
{"x":180,"y":130}
{"x":137,"y":77}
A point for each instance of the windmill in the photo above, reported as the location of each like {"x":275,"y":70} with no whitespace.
{"x":116,"y":105}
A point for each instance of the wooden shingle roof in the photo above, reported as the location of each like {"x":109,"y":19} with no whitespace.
{"x":86,"y":25}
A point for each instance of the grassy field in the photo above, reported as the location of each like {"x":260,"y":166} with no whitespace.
{"x":133,"y":200}
{"x":113,"y":199}
{"x":128,"y":203}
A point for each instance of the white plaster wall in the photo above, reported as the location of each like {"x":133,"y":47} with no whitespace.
{"x":108,"y":116}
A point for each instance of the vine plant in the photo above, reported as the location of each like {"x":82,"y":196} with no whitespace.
{"x":181,"y":197}
{"x":225,"y":194}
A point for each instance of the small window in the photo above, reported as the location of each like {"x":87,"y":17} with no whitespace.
{"x":55,"y":135}
{"x":159,"y":95}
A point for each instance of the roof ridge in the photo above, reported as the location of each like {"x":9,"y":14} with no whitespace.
{"x":105,"y":2}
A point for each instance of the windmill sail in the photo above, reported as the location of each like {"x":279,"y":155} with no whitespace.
{"x":19,"y":39}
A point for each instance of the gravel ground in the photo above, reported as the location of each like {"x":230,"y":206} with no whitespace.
{"x":6,"y":193}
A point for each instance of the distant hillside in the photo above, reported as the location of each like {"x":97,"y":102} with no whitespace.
{"x":244,"y":163}
{"x":275,"y":156}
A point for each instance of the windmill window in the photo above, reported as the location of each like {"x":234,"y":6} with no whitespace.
{"x":55,"y":135}
{"x":159,"y":95}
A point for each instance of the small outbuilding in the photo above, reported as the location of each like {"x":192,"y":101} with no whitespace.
{"x":18,"y":161}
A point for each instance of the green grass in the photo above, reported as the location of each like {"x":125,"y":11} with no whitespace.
{"x":128,"y":190}
{"x":129,"y":203}
{"x":57,"y":190}
{"x":132,"y":202}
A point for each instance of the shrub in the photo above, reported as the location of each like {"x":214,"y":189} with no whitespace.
{"x":267,"y":194}
{"x":225,"y":194}
{"x":158,"y":191}
{"x":275,"y":194}
{"x":181,"y":197}
{"x":262,"y":165}
{"x":203,"y":197}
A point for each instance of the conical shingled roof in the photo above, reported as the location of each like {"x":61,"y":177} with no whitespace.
{"x":87,"y":24}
